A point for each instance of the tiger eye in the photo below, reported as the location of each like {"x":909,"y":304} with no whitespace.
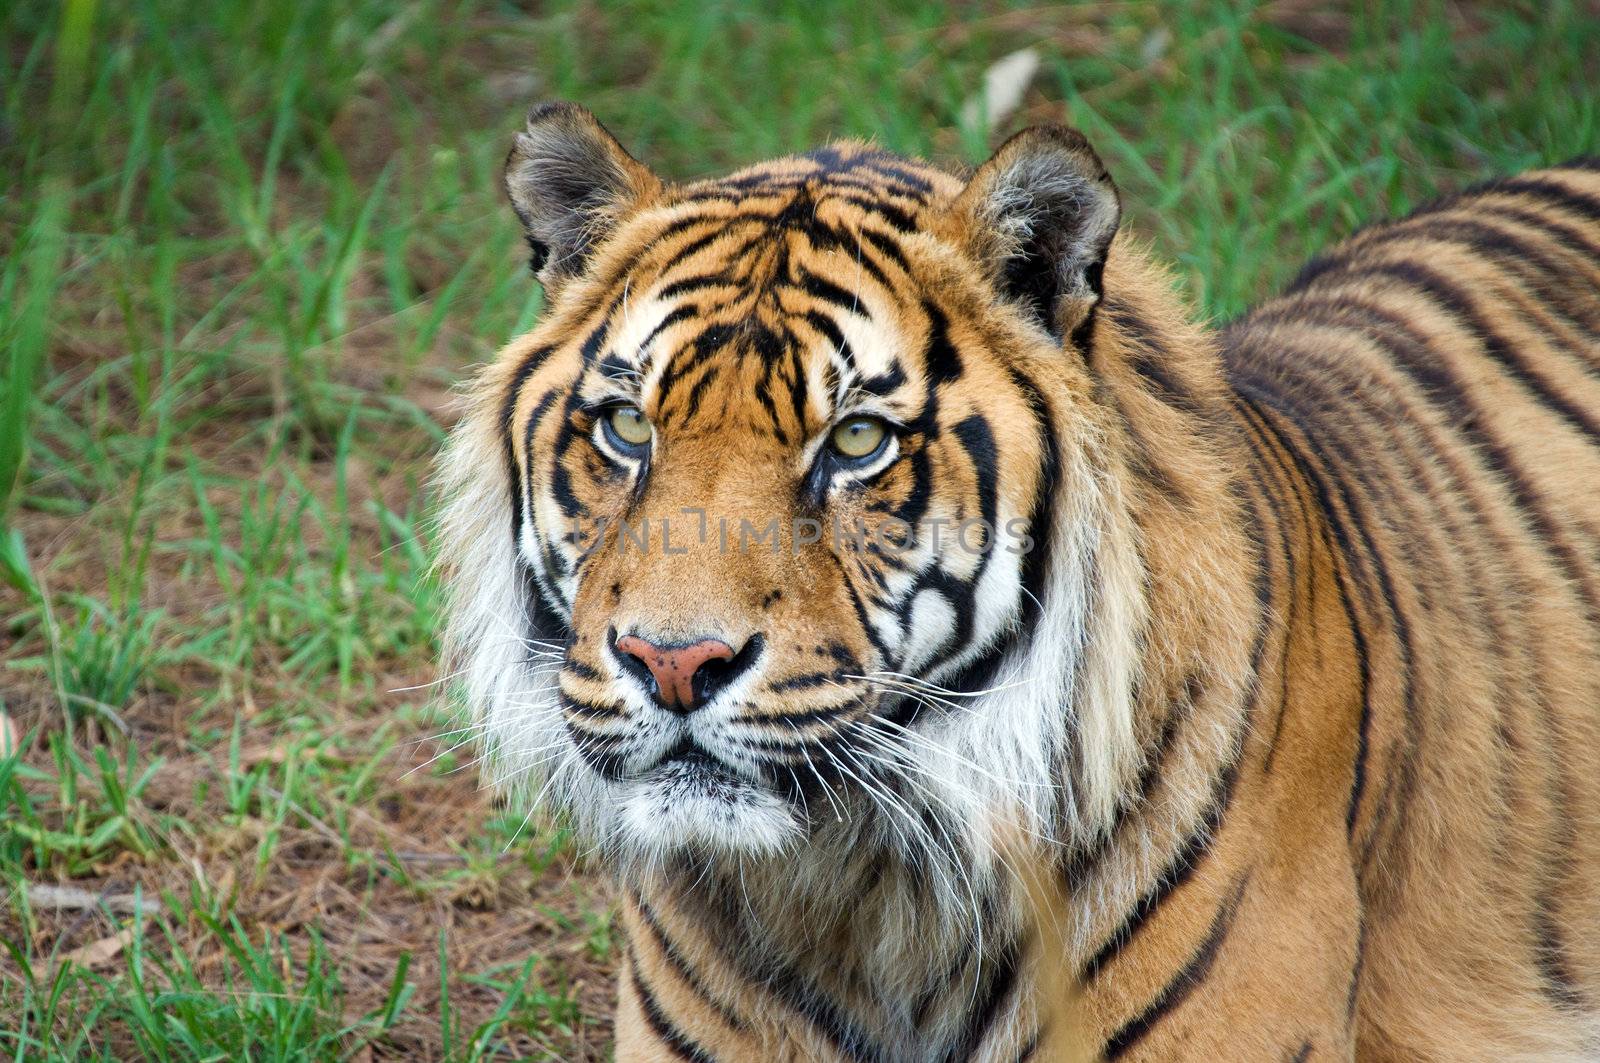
{"x":630,"y":425}
{"x":859,"y":437}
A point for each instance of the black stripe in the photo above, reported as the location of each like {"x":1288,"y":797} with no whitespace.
{"x":697,"y":283}
{"x":1353,"y":993}
{"x":826,"y":238}
{"x":677,"y":314}
{"x":703,"y":345}
{"x":1188,"y":979}
{"x":981,"y":1018}
{"x":886,"y":246}
{"x":724,"y":222}
{"x":1151,"y":358}
{"x":1552,"y":192}
{"x":885,"y":383}
{"x":796,"y":379}
{"x":875,"y":185}
{"x":876,"y":182}
{"x":862,"y":616}
{"x":680,"y":966}
{"x":1559,"y":982}
{"x":888,"y":165}
{"x":1507,"y":249}
{"x":1042,"y":508}
{"x":539,"y":582}
{"x":581,"y":670}
{"x":508,"y":411}
{"x":829,"y":330}
{"x":1415,"y":356}
{"x":1256,"y":401}
{"x":1332,"y":456}
{"x":526,"y":368}
{"x":561,"y":488}
{"x":1079,"y":863}
{"x":675,"y":1039}
{"x":1269,"y":610}
{"x":796,"y":720}
{"x":1561,"y":985}
{"x":941,"y":360}
{"x":735,"y":188}
{"x":1478,"y":196}
{"x":805,"y":682}
{"x":602,"y":752}
{"x":589,"y":711}
{"x":826,"y":291}
{"x":787,"y":984}
{"x":1270,"y":450}
{"x":691,"y":405}
{"x":977,"y":439}
{"x":899,"y":220}
{"x":1461,"y":306}
{"x":700,"y":243}
{"x":1180,"y":869}
{"x":1555,"y":229}
{"x":763,"y":393}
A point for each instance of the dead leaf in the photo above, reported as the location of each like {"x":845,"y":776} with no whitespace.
{"x":98,"y":952}
{"x":1004,"y":84}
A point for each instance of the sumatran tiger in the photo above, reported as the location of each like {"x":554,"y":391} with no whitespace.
{"x":956,"y":652}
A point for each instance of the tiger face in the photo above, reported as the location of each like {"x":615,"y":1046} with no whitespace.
{"x":795,"y":497}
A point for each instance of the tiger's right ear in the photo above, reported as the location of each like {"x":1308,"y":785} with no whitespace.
{"x":571,"y":182}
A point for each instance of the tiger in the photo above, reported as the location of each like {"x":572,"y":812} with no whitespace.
{"x":953,"y":648}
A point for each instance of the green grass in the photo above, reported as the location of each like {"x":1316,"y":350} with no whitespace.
{"x":249,"y":248}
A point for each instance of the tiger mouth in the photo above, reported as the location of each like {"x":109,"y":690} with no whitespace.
{"x":692,"y":767}
{"x":691,"y":761}
{"x":691,"y":777}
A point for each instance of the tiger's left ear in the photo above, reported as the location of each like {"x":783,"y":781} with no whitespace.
{"x":1041,"y":213}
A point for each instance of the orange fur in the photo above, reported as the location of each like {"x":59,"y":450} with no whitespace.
{"x":1302,"y":738}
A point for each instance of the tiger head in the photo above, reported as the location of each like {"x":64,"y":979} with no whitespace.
{"x":797,"y":513}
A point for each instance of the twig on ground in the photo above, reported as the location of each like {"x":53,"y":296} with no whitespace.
{"x":74,"y":899}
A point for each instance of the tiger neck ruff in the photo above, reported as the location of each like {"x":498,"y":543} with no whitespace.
{"x":958,"y":654}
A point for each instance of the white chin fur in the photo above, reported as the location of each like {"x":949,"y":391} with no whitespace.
{"x":680,"y":809}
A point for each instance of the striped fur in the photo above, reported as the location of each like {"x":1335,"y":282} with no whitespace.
{"x":1278,"y":743}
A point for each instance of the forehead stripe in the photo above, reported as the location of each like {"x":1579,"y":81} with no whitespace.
{"x":698,"y":282}
{"x":829,"y":292}
{"x":886,"y":245}
{"x":940,"y":358}
{"x":829,"y":331}
{"x":614,"y":367}
{"x":764,"y":396}
{"x":899,"y":220}
{"x":883,"y":164}
{"x":701,"y":346}
{"x":797,"y":385}
{"x":677,"y":314}
{"x":825,"y":237}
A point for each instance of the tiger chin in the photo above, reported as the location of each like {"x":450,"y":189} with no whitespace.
{"x":956,"y":652}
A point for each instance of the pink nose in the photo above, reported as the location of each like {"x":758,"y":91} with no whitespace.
{"x":674,"y":668}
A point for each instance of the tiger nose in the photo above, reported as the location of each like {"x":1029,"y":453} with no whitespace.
{"x":684,"y":676}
